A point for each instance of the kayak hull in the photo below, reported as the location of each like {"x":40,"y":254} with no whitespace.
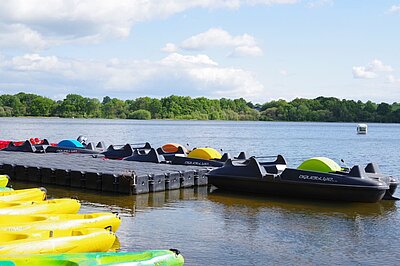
{"x":58,"y":241}
{"x":31,"y":223}
{"x":55,"y":206}
{"x":30,"y":194}
{"x":150,"y":257}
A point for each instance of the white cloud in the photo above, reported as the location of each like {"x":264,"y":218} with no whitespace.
{"x":360,"y":72}
{"x":377,"y":66}
{"x":35,"y":62}
{"x":271,"y":2}
{"x":392,"y":79}
{"x":187,"y":60}
{"x":283,"y":72}
{"x":176,"y":73}
{"x":319,"y":3}
{"x":169,"y":48}
{"x":371,"y":70}
{"x":59,"y":21}
{"x":243,"y":45}
{"x":394,"y":9}
{"x":247,"y":51}
{"x":215,"y":37}
{"x":18,"y":35}
{"x":205,"y":74}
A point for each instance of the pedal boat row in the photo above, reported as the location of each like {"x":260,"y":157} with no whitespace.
{"x":318,"y":177}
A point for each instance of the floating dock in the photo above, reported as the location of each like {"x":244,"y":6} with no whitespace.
{"x":97,"y":173}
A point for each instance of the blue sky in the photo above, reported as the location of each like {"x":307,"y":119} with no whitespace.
{"x":256,"y":49}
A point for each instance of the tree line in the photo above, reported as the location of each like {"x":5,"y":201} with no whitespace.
{"x":327,"y":109}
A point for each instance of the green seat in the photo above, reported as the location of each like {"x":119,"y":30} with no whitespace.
{"x":320,"y":164}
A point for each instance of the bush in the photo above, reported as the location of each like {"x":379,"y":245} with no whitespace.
{"x":214,"y":116}
{"x":230,"y":115}
{"x":140,"y":115}
{"x":2,"y":112}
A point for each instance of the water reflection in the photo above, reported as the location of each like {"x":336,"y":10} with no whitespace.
{"x":116,"y":246}
{"x":323,"y":230}
{"x":127,"y":205}
{"x":247,"y":205}
{"x":221,"y":227}
{"x":251,"y":205}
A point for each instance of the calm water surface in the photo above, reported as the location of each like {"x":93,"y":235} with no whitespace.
{"x":224,"y":229}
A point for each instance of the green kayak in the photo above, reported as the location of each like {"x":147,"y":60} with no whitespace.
{"x":150,"y":257}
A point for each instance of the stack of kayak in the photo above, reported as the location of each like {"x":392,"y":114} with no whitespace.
{"x":32,"y":224}
{"x":35,"y":230}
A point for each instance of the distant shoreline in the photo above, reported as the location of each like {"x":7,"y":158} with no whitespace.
{"x":167,"y":119}
{"x":320,"y":109}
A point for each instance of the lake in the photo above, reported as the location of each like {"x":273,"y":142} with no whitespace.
{"x":214,"y":228}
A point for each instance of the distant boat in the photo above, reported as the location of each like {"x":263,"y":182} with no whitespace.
{"x":362,"y":129}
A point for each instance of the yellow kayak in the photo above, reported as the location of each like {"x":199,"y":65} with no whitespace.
{"x":3,"y":180}
{"x":27,"y":223}
{"x":55,"y":206}
{"x":35,"y":194}
{"x":58,"y":241}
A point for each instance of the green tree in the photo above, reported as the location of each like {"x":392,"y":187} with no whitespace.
{"x":92,"y":108}
{"x":114,"y":108}
{"x":41,"y":106}
{"x":201,"y":108}
{"x":13,"y":102}
{"x":384,"y":109}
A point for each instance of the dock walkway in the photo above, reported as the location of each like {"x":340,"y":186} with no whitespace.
{"x":94,"y":172}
